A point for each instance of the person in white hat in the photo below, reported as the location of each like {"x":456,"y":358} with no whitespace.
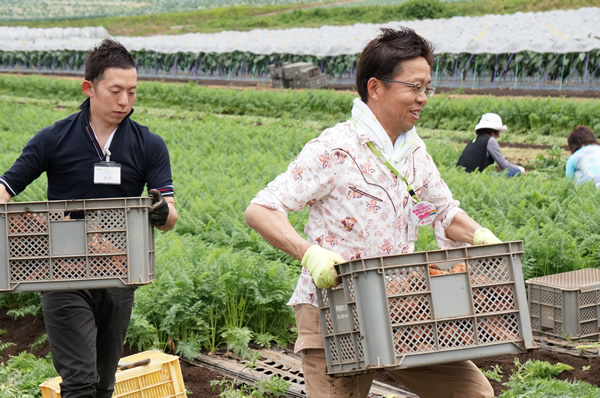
{"x":484,"y":150}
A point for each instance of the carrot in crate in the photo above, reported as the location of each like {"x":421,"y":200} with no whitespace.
{"x":434,"y":270}
{"x":27,"y":223}
{"x":455,"y":336}
{"x":461,"y":267}
{"x":69,"y":269}
{"x":404,"y":283}
{"x":106,"y":266}
{"x":416,"y":338}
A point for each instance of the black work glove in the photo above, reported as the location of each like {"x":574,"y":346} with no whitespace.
{"x":159,"y":210}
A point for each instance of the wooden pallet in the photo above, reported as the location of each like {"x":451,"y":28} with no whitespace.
{"x":568,"y":347}
{"x":285,"y":364}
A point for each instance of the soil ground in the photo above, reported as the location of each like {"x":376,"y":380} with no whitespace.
{"x":24,"y":331}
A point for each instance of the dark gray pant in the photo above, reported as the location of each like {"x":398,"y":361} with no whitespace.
{"x":86,"y":330}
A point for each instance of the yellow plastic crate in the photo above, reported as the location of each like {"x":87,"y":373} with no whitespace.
{"x":161,"y":378}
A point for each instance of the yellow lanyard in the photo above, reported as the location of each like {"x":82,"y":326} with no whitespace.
{"x":393,"y":169}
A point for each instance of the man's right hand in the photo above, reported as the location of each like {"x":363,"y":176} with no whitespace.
{"x":320,"y":264}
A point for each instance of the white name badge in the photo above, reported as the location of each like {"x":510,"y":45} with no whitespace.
{"x":423,"y":213}
{"x":107,"y":173}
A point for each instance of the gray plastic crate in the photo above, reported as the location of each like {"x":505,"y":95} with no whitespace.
{"x":299,"y":70}
{"x":313,"y":82}
{"x":389,"y":313}
{"x":276,"y":71}
{"x":75,"y":244}
{"x":566,"y":305}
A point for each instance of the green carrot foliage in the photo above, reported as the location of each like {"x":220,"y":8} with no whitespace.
{"x":216,"y":276}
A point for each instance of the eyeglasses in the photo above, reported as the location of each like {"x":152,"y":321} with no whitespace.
{"x":417,"y":88}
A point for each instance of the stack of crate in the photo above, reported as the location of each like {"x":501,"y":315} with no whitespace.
{"x":566,"y":305}
{"x":296,"y":75}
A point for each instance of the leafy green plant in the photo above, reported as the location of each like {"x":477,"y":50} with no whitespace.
{"x":537,"y":379}
{"x":40,"y":342}
{"x":142,"y":334}
{"x":212,"y":342}
{"x":191,"y":348}
{"x":264,"y":339}
{"x":21,"y":375}
{"x":7,"y":391}
{"x":21,"y":304}
{"x":200,"y":274}
{"x":495,"y":373}
{"x":238,"y":341}
{"x":235,"y":309}
{"x":552,"y":162}
{"x":274,"y":386}
{"x":5,"y":345}
{"x":541,"y":369}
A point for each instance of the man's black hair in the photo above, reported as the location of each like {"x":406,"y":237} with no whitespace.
{"x":109,"y":54}
{"x":382,"y":57}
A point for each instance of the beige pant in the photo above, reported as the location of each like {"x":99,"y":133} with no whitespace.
{"x":452,"y":380}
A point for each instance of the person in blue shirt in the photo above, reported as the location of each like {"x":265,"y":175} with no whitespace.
{"x":86,"y":328}
{"x":484,"y":150}
{"x":584,"y":163}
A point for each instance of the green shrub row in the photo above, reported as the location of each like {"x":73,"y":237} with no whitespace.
{"x":532,"y":117}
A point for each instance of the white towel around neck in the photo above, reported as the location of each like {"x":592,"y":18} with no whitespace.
{"x":367,"y":124}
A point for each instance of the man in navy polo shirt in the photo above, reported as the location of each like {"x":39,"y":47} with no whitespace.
{"x":98,"y":152}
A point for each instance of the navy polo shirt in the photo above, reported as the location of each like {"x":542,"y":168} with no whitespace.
{"x":67,"y":152}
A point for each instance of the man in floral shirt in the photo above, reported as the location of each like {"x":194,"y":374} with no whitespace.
{"x":369,"y":183}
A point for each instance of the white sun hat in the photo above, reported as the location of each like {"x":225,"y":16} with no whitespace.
{"x":491,"y":121}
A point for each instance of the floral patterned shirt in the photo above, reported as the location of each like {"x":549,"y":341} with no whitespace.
{"x":358,"y":207}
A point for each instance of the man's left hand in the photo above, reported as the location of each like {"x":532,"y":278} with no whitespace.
{"x":159,"y":210}
{"x":484,"y":236}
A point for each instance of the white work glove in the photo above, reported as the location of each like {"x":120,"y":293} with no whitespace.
{"x":320,"y":264}
{"x":484,"y":236}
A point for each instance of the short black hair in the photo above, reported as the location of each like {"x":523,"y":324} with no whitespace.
{"x":581,"y":136}
{"x":382,"y":57}
{"x":109,"y":54}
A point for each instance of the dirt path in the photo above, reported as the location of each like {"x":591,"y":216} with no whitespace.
{"x":26,"y":330}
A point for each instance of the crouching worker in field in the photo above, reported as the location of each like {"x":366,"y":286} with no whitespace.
{"x":584,"y":163}
{"x":86,"y":328}
{"x":484,"y":150}
{"x":365,"y":182}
